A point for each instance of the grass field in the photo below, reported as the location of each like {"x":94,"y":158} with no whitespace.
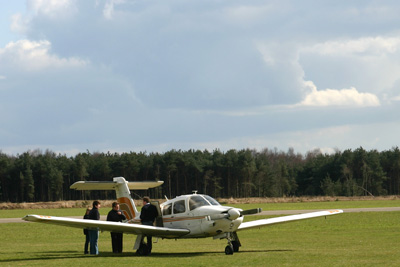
{"x":19,"y":213}
{"x":352,"y":239}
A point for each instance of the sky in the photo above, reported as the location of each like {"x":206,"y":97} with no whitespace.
{"x":152,"y":76}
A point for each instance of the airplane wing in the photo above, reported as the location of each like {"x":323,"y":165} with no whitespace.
{"x":126,"y":228}
{"x":264,"y":222}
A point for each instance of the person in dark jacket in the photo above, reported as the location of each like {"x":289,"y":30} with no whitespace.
{"x":148,"y":215}
{"x":94,"y":214}
{"x":115,"y":215}
{"x":85,"y":231}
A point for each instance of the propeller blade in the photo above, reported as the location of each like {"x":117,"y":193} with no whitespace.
{"x":252,"y":211}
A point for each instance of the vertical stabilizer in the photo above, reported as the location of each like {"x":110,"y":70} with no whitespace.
{"x":124,"y":198}
{"x":122,"y":189}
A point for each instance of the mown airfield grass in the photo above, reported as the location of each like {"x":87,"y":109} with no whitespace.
{"x":16,"y":213}
{"x":349,"y":239}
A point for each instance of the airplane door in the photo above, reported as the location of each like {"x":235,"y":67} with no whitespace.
{"x":179,"y":216}
{"x":166,"y":215}
{"x":159,"y":219}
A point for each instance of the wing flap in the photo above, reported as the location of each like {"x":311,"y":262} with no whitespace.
{"x":127,"y":228}
{"x":265,"y":222}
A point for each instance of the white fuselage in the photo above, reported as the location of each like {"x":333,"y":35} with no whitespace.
{"x":207,"y":220}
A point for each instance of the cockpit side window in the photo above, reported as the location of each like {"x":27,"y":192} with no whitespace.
{"x":167,"y":209}
{"x":179,"y":206}
{"x":197,"y":201}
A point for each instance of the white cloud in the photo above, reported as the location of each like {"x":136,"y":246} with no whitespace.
{"x":286,"y":57}
{"x":55,"y":9}
{"x":369,"y":46}
{"x":248,"y":13}
{"x":345,"y":67}
{"x":35,"y":56}
{"x":370,"y":64}
{"x":343,"y":97}
{"x":18,"y":23}
{"x":396,"y":98}
{"x":130,"y":76}
{"x":108,"y":10}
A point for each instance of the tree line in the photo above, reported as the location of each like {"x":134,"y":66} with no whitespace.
{"x":46,"y":176}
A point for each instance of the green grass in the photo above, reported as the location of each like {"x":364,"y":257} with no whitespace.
{"x":17,"y":213}
{"x":352,"y":239}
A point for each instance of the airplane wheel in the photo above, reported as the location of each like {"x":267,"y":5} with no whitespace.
{"x":229,"y":250}
{"x":143,"y":250}
{"x":235,"y":246}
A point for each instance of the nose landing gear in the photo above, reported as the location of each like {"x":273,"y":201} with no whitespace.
{"x":229,"y":249}
{"x":233,"y":243}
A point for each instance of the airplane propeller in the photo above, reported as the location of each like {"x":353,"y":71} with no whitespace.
{"x":234,"y":213}
{"x":252,"y":211}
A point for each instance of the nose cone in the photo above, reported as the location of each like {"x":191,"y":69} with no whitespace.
{"x":233,"y":214}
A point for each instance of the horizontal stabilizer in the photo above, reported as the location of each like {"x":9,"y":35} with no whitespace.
{"x":89,"y":185}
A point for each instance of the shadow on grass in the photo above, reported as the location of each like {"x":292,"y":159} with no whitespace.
{"x":57,"y":255}
{"x":45,"y":255}
{"x":194,"y":254}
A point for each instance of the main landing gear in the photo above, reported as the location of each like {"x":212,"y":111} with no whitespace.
{"x":233,"y":243}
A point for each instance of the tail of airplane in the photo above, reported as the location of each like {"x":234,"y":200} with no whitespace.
{"x":122,"y":189}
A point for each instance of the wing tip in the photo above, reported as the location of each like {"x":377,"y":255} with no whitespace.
{"x":335,"y":211}
{"x":29,"y":217}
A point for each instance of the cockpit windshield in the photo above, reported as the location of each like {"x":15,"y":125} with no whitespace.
{"x":212,"y":201}
{"x":196,"y":201}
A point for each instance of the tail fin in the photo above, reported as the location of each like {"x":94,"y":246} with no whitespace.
{"x":122,"y":189}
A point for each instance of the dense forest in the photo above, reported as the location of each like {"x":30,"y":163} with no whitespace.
{"x":46,"y":176}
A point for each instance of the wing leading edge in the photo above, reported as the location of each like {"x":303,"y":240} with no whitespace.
{"x":127,"y":228}
{"x":264,"y":222}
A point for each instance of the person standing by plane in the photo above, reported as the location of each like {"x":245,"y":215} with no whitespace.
{"x":94,"y":214}
{"x":85,"y":231}
{"x":115,"y":215}
{"x":148,"y":215}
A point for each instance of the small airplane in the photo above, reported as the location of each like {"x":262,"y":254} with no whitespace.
{"x":188,"y":216}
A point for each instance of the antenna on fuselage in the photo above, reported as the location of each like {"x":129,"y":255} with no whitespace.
{"x":166,"y":197}
{"x":139,"y":196}
{"x":194,"y":192}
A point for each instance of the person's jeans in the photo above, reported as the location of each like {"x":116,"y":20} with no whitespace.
{"x":93,"y":236}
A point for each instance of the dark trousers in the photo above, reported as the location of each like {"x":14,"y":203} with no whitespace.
{"x":116,"y":242}
{"x":149,"y":243}
{"x":149,"y":237}
{"x":87,"y":244}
